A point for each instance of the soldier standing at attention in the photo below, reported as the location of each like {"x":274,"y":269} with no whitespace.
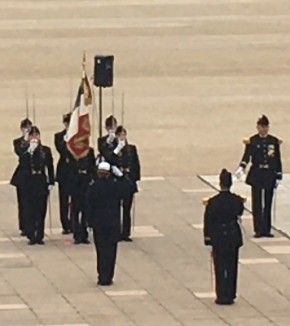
{"x":222,"y":232}
{"x":265,"y":174}
{"x":38,"y":179}
{"x":103,"y":207}
{"x":84,"y":171}
{"x":128,"y":162}
{"x":20,"y":145}
{"x":64,"y":176}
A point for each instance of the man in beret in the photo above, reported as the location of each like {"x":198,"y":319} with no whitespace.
{"x":222,"y":232}
{"x":265,"y":174}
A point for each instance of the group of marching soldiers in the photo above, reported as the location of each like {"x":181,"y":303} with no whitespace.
{"x":94,"y":191}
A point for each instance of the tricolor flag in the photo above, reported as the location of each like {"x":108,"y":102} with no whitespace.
{"x":79,"y":129}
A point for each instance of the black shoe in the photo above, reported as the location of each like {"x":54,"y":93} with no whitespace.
{"x":22,"y":234}
{"x":224,"y":302}
{"x":76,"y":242}
{"x":257,"y":235}
{"x":86,"y":241}
{"x":40,"y":242}
{"x":268,"y":235}
{"x":105,"y":283}
{"x":31,"y":242}
{"x":127,"y":239}
{"x":66,"y":232}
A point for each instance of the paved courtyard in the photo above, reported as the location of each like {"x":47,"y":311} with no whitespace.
{"x":196,"y":74}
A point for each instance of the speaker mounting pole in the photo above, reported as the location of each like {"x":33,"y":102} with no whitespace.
{"x":100,"y":110}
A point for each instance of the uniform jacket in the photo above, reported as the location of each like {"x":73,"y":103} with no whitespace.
{"x":65,"y":163}
{"x":221,"y":227}
{"x":264,"y":154}
{"x":20,"y":146}
{"x":36,"y":169}
{"x":127,"y":160}
{"x":106,"y":149}
{"x":103,"y":203}
{"x":83,"y":171}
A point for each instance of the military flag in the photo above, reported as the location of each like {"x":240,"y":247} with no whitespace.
{"x":79,"y":130}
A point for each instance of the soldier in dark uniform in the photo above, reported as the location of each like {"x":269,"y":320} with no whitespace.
{"x":263,"y":151}
{"x":223,"y":233}
{"x":108,"y":142}
{"x":83,"y":171}
{"x":20,"y":145}
{"x":64,"y":176}
{"x":129,"y":164}
{"x":103,"y":202}
{"x":37,"y":180}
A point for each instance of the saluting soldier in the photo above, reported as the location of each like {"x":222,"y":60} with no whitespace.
{"x":20,"y":145}
{"x":107,"y":143}
{"x":103,"y":209}
{"x":222,"y":232}
{"x":84,"y":170}
{"x":263,"y":151}
{"x":129,"y":164}
{"x":38,"y":179}
{"x":64,"y":176}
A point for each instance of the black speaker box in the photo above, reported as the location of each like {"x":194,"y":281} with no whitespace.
{"x":104,"y":70}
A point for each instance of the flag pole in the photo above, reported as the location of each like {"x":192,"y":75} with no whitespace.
{"x":113,"y":102}
{"x":26,"y":103}
{"x":70,"y":106}
{"x":123,"y":108}
{"x":34,"y":109}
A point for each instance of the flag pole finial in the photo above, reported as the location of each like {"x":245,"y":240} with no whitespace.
{"x":84,"y":61}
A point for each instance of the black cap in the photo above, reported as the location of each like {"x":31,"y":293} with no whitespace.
{"x":25,"y":123}
{"x":66,"y":118}
{"x":110,"y":121}
{"x":34,"y":130}
{"x":263,"y":121}
{"x":226,"y":178}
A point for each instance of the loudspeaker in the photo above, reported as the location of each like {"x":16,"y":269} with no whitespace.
{"x":103,"y":73}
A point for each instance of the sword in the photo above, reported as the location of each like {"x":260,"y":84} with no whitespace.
{"x":49,"y":215}
{"x":212,"y":278}
{"x":274,"y":205}
{"x":123,"y":109}
{"x":134,"y":211}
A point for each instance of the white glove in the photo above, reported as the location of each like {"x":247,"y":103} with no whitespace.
{"x":116,"y":171}
{"x":65,"y":137}
{"x":119,"y":147}
{"x":278,"y":182}
{"x":50,"y":187}
{"x":32,"y":146}
{"x":111,"y":137}
{"x":240,"y":171}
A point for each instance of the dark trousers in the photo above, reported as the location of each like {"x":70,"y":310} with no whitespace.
{"x":226,"y":272}
{"x":126,"y":220}
{"x":35,"y":211}
{"x":79,"y":220}
{"x":20,"y":203}
{"x":64,"y":207}
{"x":261,"y":208}
{"x":106,"y":245}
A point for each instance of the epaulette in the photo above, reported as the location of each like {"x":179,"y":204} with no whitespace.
{"x":246,"y":141}
{"x":205,"y":201}
{"x":280,"y":141}
{"x":244,"y":198}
